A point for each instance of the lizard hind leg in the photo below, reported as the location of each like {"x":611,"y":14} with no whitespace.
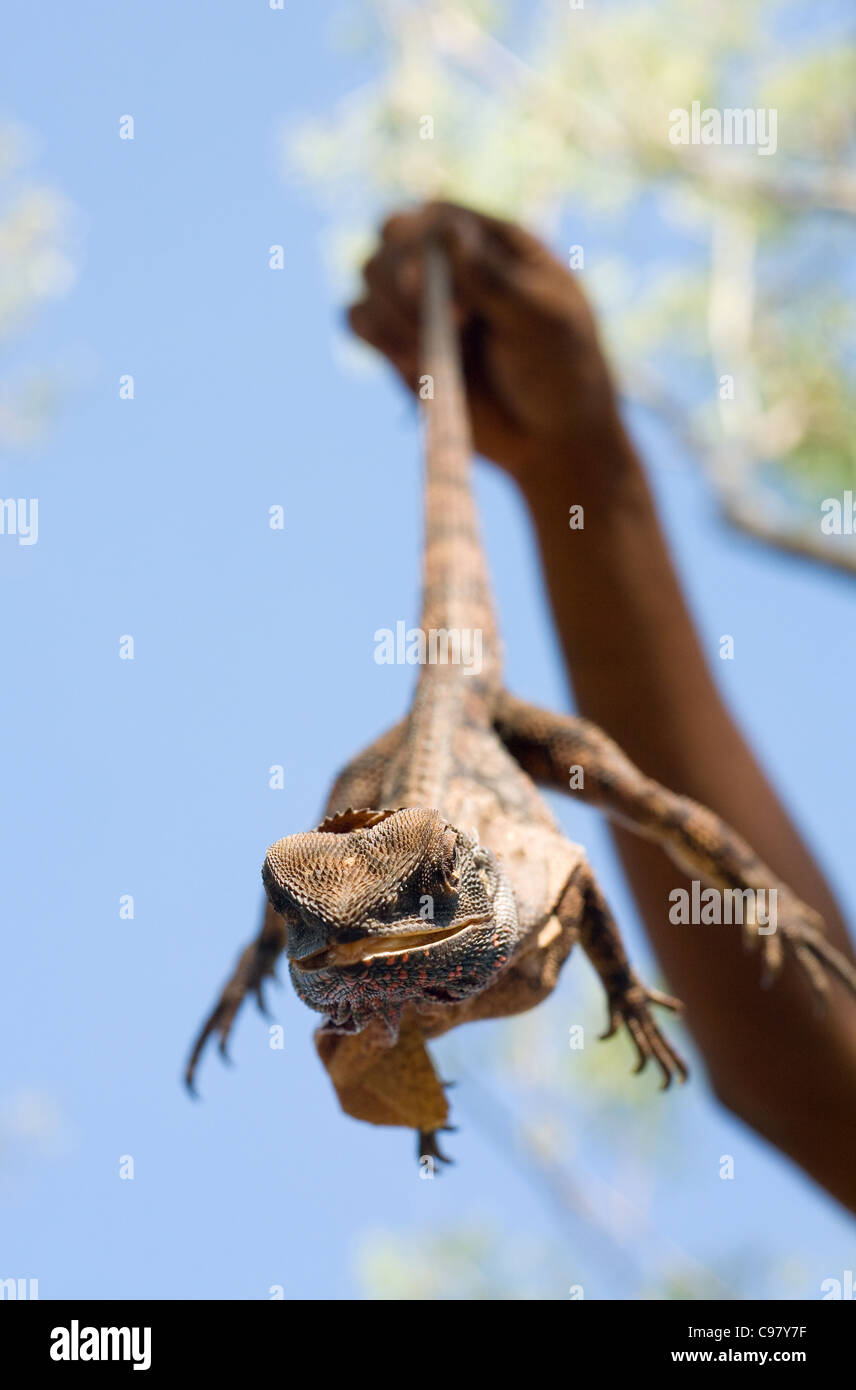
{"x":428,"y":1151}
{"x":628,"y":1000}
{"x":387,"y":1083}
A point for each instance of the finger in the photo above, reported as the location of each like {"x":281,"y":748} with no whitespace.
{"x":488,"y":279}
{"x":409,"y":228}
{"x":383,"y":335}
{"x":496,"y":231}
{"x":487,"y":257}
{"x":382,"y":282}
{"x":392,"y":291}
{"x":502,"y":276}
{"x":394,"y":280}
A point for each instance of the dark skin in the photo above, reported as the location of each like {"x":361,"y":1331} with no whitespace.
{"x":543,"y":407}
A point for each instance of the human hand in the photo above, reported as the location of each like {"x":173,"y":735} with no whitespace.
{"x":535,"y":373}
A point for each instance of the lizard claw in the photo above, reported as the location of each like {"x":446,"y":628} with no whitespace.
{"x":261,"y":1001}
{"x":427,"y":1146}
{"x":630,"y":1008}
{"x":249,"y":976}
{"x":799,"y":934}
{"x":219,"y":1021}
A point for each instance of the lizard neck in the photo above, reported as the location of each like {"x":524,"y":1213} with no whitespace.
{"x":460,"y":673}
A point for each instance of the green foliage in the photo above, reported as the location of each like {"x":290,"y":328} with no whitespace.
{"x":35,"y":268}
{"x":468,"y":1262}
{"x":698,"y":259}
{"x":543,"y":111}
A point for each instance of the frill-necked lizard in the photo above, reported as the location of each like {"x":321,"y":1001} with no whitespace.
{"x":439,"y":890}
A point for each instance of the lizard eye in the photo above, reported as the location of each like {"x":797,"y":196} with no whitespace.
{"x":450,"y":864}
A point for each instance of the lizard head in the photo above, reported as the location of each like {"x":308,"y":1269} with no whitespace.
{"x":386,"y":908}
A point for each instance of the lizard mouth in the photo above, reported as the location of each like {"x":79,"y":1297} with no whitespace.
{"x":355,"y":952}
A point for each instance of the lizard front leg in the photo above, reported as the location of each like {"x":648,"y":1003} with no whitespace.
{"x":628,"y":1000}
{"x":357,"y":785}
{"x":548,"y":746}
{"x":255,"y":963}
{"x":397,"y":1084}
{"x":582,"y":915}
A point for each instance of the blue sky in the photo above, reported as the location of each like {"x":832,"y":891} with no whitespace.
{"x":253,"y":648}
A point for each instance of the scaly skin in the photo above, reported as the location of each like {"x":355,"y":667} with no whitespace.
{"x":439,"y":889}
